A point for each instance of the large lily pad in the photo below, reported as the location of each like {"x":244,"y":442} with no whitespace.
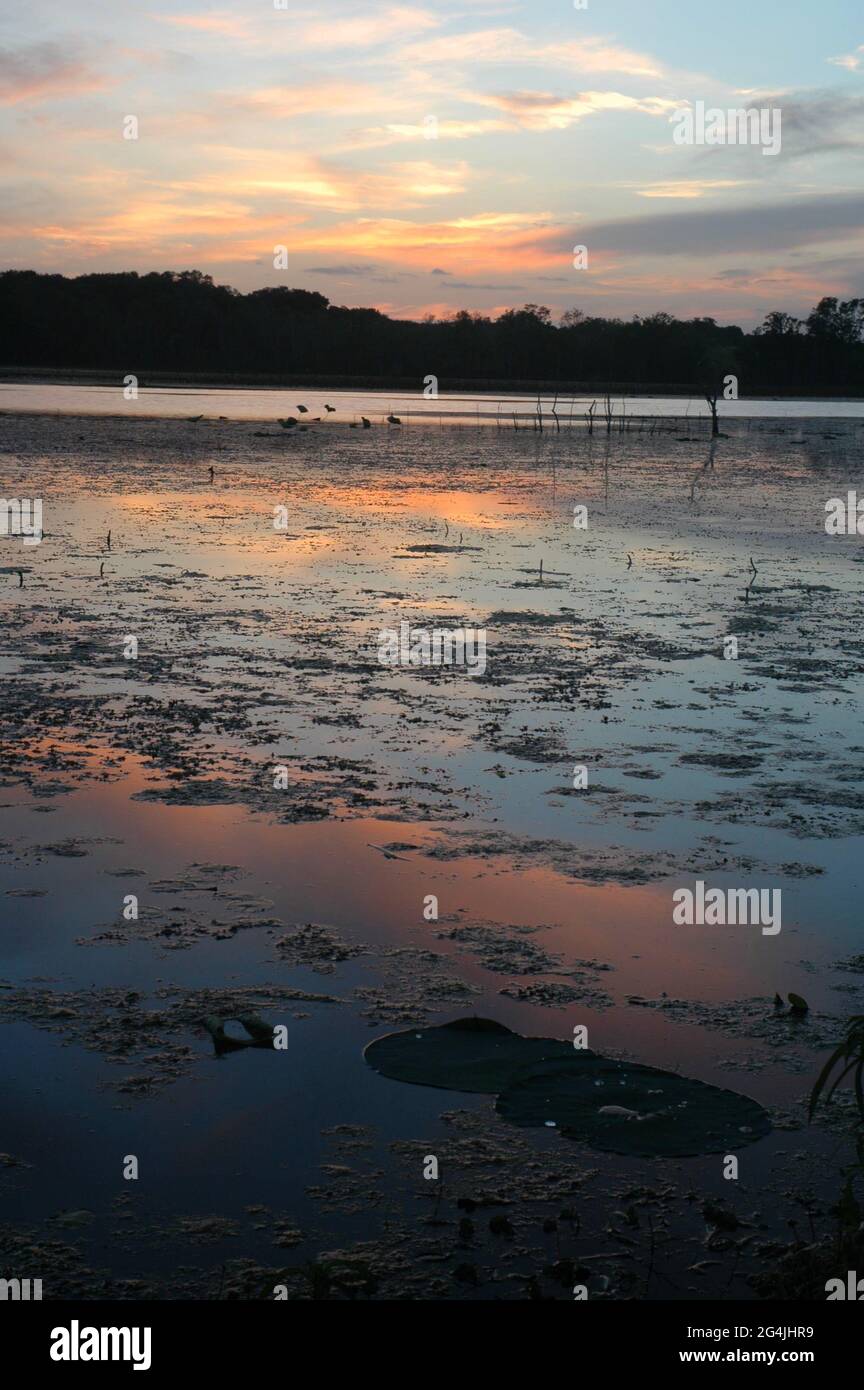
{"x":471,"y":1054}
{"x":617,"y":1107}
{"x":625,"y":1108}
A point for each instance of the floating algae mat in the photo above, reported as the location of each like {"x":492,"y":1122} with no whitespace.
{"x":619,"y":1107}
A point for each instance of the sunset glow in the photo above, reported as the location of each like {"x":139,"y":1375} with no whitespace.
{"x":425,"y":159}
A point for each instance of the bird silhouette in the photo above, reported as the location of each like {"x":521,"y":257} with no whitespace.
{"x":289,"y":423}
{"x":304,"y":409}
{"x":393,"y":420}
{"x":367,"y":424}
{"x":329,"y":408}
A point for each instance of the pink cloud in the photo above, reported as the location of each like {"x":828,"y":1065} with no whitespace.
{"x":366,"y":31}
{"x":511,"y":46}
{"x":46,"y":71}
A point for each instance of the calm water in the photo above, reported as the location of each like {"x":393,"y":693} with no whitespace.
{"x":257,"y":648}
{"x":245,"y":404}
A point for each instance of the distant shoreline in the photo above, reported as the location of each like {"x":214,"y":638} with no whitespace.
{"x":242,"y":381}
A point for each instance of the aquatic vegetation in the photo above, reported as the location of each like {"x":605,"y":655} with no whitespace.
{"x":619,"y":1107}
{"x":624,"y":1108}
{"x":257,"y":652}
{"x":260,"y":1034}
{"x":846,"y":1059}
{"x":470,"y":1054}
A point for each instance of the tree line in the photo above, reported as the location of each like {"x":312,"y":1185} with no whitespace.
{"x":182,"y":322}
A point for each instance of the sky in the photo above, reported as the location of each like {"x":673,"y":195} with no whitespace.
{"x":427,"y":158}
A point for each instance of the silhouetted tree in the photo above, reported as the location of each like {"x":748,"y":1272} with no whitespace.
{"x":180,"y":321}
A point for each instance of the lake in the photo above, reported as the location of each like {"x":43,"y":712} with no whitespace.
{"x":242,"y":812}
{"x":242,"y":403}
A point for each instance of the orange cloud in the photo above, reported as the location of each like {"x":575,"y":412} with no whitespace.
{"x":491,"y":242}
{"x":333,"y":98}
{"x":221,"y":23}
{"x":690,"y":188}
{"x":169,"y":226}
{"x":545,"y":111}
{"x":264,"y":174}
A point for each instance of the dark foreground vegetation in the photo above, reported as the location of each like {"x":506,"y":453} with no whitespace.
{"x":182,"y":322}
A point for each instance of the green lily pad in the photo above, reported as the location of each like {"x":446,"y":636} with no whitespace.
{"x":624,"y":1108}
{"x":471,"y":1054}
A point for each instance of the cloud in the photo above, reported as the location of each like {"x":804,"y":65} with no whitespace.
{"x":689,"y":188}
{"x":219,"y":22}
{"x":328,"y":96}
{"x":545,"y":111}
{"x":766,"y":228}
{"x":394,"y":24}
{"x":367,"y":31}
{"x":362,"y":269}
{"x":822,"y":123}
{"x":598,"y":55}
{"x":423,"y":179}
{"x":395,"y":133}
{"x":816,"y":123}
{"x":476,"y":285}
{"x":264,"y":176}
{"x":852,"y":60}
{"x":510,"y":46}
{"x":523,"y":110}
{"x":484,"y":243}
{"x":46,"y":72}
{"x":480,"y":46}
